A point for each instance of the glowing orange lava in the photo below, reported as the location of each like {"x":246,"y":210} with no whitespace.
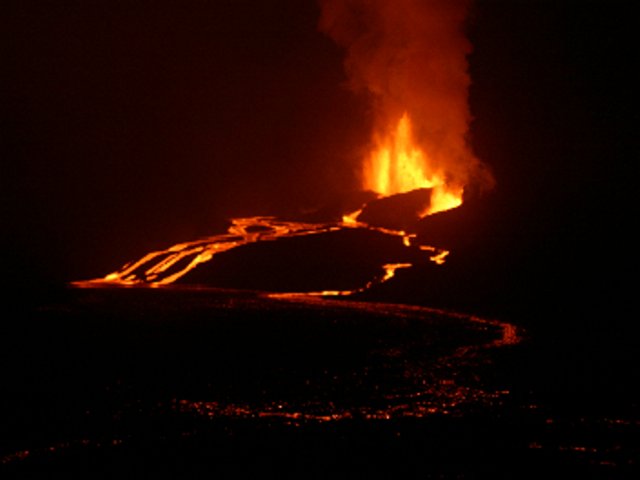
{"x":165,"y":267}
{"x":399,"y":165}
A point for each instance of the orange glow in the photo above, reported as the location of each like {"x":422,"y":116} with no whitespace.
{"x":165,"y":267}
{"x":390,"y":270}
{"x":439,"y":256}
{"x":399,"y":165}
{"x":350,"y":219}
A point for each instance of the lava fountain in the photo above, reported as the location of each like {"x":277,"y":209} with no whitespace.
{"x":398,"y":165}
{"x":409,"y":58}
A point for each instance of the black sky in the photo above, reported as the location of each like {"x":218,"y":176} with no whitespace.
{"x":132,"y":126}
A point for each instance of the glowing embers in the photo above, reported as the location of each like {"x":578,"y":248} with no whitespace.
{"x":399,"y":165}
{"x":402,"y":376}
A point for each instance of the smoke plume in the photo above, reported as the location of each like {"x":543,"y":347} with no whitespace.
{"x":410,"y":57}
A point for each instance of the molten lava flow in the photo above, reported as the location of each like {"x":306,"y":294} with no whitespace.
{"x":351,"y":219}
{"x":165,"y":267}
{"x":390,"y":269}
{"x":399,"y":165}
{"x":439,"y":256}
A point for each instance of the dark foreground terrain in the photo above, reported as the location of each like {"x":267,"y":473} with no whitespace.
{"x":179,"y":382}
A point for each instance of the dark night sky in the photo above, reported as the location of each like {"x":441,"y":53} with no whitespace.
{"x":128,"y":126}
